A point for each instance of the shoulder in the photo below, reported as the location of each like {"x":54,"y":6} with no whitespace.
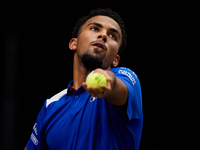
{"x":55,"y":97}
{"x":126,"y":73}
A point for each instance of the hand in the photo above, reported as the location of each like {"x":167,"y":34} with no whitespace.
{"x":95,"y":92}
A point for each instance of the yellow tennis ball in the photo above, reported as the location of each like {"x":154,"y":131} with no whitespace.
{"x":96,"y":79}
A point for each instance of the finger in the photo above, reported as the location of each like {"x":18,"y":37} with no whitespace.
{"x":84,"y":85}
{"x":91,"y":91}
{"x":106,"y":88}
{"x":87,"y":88}
{"x":97,"y":92}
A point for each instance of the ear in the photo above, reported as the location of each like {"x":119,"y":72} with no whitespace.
{"x":73,"y":44}
{"x":116,"y":61}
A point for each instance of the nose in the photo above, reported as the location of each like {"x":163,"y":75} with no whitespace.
{"x":103,"y":37}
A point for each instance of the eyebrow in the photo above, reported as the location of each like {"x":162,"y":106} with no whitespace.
{"x":100,"y":25}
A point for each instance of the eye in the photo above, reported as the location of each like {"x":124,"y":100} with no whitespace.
{"x":94,"y":28}
{"x":113,"y":36}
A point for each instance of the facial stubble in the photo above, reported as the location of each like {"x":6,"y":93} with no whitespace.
{"x":92,"y":62}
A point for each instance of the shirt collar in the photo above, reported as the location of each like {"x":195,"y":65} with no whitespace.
{"x":72,"y":90}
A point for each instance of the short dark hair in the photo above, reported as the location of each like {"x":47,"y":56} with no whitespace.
{"x":104,"y":12}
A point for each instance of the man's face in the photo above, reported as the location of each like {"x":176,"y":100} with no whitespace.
{"x":99,"y":38}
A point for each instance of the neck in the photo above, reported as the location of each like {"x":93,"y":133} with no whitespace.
{"x":79,"y":72}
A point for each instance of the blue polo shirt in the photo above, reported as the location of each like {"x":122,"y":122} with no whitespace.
{"x":76,"y":120}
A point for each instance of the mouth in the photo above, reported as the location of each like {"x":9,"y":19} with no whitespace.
{"x":100,"y":45}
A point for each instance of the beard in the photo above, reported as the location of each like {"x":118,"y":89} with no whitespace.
{"x":91,"y":63}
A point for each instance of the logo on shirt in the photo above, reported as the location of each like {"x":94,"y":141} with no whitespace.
{"x":92,"y":99}
{"x":33,"y":137}
{"x":35,"y":128}
{"x":128,"y":75}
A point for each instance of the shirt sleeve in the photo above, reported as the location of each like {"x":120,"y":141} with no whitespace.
{"x":134,"y":106}
{"x":36,"y":141}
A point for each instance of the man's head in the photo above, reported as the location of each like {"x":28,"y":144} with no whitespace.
{"x":99,"y":39}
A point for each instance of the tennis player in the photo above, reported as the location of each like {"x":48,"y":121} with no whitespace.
{"x":81,"y":118}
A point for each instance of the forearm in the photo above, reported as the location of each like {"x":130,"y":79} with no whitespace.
{"x":118,"y":94}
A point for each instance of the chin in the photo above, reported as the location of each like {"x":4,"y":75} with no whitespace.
{"x":92,"y":62}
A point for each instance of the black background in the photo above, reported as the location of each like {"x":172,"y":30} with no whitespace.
{"x":37,"y":64}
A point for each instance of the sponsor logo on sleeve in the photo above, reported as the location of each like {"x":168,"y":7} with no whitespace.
{"x":33,"y":137}
{"x":128,"y":74}
{"x":35,"y":128}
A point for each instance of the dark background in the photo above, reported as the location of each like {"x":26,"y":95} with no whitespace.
{"x":37,"y":64}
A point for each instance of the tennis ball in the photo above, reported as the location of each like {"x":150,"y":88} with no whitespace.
{"x":96,"y":79}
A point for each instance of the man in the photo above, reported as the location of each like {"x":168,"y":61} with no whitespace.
{"x":80,"y":117}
